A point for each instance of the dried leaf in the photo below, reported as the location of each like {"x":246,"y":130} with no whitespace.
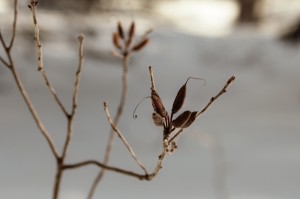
{"x":191,"y":119}
{"x":158,"y":105}
{"x":120,"y":30}
{"x":116,"y":40}
{"x":140,"y":45}
{"x":157,"y":119}
{"x":182,"y":119}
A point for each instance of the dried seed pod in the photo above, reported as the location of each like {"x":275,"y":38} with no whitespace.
{"x":116,"y":40}
{"x":158,"y":105}
{"x":131,"y":30}
{"x":179,"y":100}
{"x":120,"y":30}
{"x":191,"y":119}
{"x":182,"y":119}
{"x":130,"y":35}
{"x":180,"y":97}
{"x":157,"y":119}
{"x":140,"y":45}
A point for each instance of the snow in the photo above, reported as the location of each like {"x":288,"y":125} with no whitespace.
{"x":248,"y":141}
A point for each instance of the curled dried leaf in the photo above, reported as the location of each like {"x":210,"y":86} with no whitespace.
{"x":191,"y":119}
{"x":182,"y":119}
{"x":140,"y":45}
{"x":116,"y":40}
{"x":120,"y":30}
{"x":157,"y":119}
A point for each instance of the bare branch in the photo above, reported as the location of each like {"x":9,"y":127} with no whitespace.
{"x":119,"y":170}
{"x":2,"y":41}
{"x":109,"y":168}
{"x":32,"y":110}
{"x":152,"y":78}
{"x":14,"y":25}
{"x":175,"y":136}
{"x":123,"y":139}
{"x":74,"y":98}
{"x":5,"y":63}
{"x":78,"y":73}
{"x":224,"y":89}
{"x":10,"y":64}
{"x":40,"y":58}
{"x":125,"y":60}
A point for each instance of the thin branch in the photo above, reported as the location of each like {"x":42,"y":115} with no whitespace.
{"x":224,"y":89}
{"x":175,"y":136}
{"x":125,"y":60}
{"x":5,"y":49}
{"x":32,"y":110}
{"x":78,"y":74}
{"x":109,"y":168}
{"x":40,"y":58}
{"x":2,"y":41}
{"x":5,"y":63}
{"x":21,"y":87}
{"x":119,"y":170}
{"x":14,"y":26}
{"x":116,"y":130}
{"x":152,"y":78}
{"x":74,"y":98}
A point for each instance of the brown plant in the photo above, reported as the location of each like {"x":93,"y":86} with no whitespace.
{"x":125,"y":44}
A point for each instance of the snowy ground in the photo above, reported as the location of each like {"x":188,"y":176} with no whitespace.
{"x":245,"y":147}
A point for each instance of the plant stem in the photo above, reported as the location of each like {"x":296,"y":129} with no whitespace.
{"x":58,"y":178}
{"x":115,"y":121}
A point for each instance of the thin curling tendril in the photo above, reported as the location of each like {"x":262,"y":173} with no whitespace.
{"x":134,"y":115}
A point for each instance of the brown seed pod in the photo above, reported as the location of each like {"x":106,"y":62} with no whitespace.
{"x":116,"y":40}
{"x":191,"y":119}
{"x":120,"y":30}
{"x":131,"y":30}
{"x":130,"y":34}
{"x":182,"y":119}
{"x":157,"y":119}
{"x":180,"y":97}
{"x":140,"y":45}
{"x":179,"y":100}
{"x":158,"y":105}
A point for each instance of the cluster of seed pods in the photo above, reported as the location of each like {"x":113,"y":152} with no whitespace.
{"x":161,"y":116}
{"x":125,"y":42}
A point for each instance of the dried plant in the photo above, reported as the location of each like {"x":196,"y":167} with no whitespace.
{"x":125,"y":44}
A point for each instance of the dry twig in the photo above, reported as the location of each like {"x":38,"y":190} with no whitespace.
{"x":124,"y":52}
{"x":32,"y":7}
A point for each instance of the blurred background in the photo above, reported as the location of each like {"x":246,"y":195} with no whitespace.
{"x":246,"y":146}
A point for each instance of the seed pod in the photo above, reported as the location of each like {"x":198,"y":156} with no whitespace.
{"x":157,"y":119}
{"x":120,"y":30}
{"x":116,"y":40}
{"x":130,"y":35}
{"x":158,"y":105}
{"x":182,"y":119}
{"x":191,"y":119}
{"x":180,"y":97}
{"x":140,"y":45}
{"x":179,"y":100}
{"x":131,"y":30}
